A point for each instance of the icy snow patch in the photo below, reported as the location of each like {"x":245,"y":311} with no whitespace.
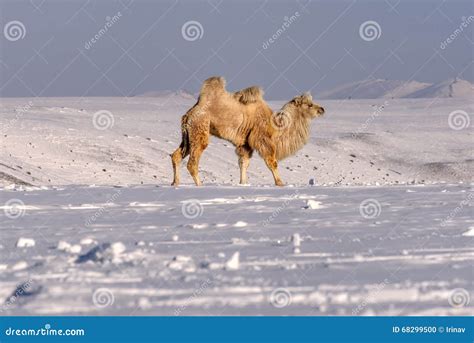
{"x":25,"y":242}
{"x":21,"y":265}
{"x":234,"y":262}
{"x":66,"y":247}
{"x":181,"y":262}
{"x":469,"y":233}
{"x":313,"y":205}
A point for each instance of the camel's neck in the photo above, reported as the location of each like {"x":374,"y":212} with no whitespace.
{"x":293,"y":138}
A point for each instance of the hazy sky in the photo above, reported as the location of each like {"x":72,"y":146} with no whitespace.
{"x":48,"y":46}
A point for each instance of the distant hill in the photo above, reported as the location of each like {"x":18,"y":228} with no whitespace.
{"x":373,"y":89}
{"x":168,"y":93}
{"x":379,"y":88}
{"x":453,"y":88}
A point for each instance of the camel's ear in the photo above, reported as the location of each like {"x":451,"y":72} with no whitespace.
{"x":304,"y":98}
{"x":307,"y":97}
{"x":296,"y":101}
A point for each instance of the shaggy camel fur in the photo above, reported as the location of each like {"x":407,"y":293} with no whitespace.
{"x":244,"y":119}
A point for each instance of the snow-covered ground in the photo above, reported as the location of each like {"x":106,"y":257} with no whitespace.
{"x":92,"y":227}
{"x":49,"y":141}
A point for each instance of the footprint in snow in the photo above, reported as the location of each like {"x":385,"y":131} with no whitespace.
{"x":102,"y":253}
{"x":23,"y":293}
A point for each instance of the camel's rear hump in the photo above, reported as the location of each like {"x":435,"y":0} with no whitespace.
{"x":249,"y":95}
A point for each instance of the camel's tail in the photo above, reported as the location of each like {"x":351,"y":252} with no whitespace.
{"x":184,"y":146}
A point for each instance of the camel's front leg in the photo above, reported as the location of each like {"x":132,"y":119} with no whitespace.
{"x":272,"y":164}
{"x":244,"y":153}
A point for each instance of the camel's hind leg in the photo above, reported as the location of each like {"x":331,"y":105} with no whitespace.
{"x":193,"y":163}
{"x":182,"y":151}
{"x":195,"y":128}
{"x":176,"y":158}
{"x":245,"y":153}
{"x":199,"y":140}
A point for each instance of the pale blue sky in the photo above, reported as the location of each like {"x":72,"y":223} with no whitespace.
{"x":144,"y":50}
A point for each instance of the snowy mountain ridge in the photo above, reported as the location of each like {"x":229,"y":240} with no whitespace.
{"x":395,"y":89}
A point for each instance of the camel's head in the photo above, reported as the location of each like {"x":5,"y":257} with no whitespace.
{"x":307,"y":107}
